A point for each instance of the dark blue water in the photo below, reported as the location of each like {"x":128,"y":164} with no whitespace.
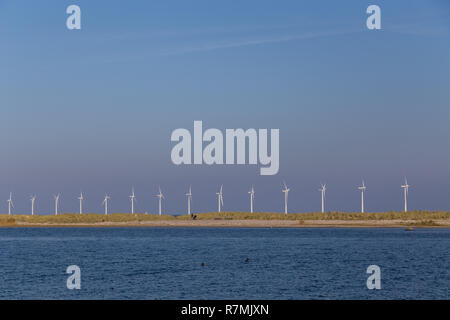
{"x":165,"y":263}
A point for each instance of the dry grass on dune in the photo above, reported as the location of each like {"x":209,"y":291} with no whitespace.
{"x":81,"y":218}
{"x":393,"y":215}
{"x":421,"y":217}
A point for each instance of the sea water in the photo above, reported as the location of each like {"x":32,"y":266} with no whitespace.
{"x":166,"y":263}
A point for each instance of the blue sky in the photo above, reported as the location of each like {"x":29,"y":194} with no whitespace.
{"x":93,"y":109}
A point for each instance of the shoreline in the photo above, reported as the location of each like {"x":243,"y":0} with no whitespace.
{"x":249,"y":223}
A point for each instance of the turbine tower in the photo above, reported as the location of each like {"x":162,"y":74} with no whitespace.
{"x":286,"y":192}
{"x":105,"y":202}
{"x":323,"y":189}
{"x":160,"y":197}
{"x":80,"y":198}
{"x":33,"y":199}
{"x":363,"y":189}
{"x":10,"y":203}
{"x":132,"y":198}
{"x":56,"y":204}
{"x":252,"y":197}
{"x":220,"y":199}
{"x":405,"y":192}
{"x":189,"y":197}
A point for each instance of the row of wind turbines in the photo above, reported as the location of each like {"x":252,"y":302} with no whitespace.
{"x":219,"y":194}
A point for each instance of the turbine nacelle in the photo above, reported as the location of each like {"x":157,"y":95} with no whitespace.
{"x":363,"y":187}
{"x":10,"y":201}
{"x":285,"y":188}
{"x":406,"y":186}
{"x":106,"y":198}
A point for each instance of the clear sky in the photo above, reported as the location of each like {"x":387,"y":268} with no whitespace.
{"x":93,"y":109}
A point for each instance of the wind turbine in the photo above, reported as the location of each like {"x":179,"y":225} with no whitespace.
{"x":252,"y":197}
{"x":405,"y":191}
{"x":81,"y":202}
{"x":132,"y":198}
{"x":363,"y":189}
{"x":105,"y":202}
{"x":160,"y":197}
{"x":189,"y":197}
{"x":33,"y":199}
{"x":286,"y":192}
{"x":56,"y":204}
{"x":10,"y":203}
{"x":323,"y":189}
{"x":220,"y":198}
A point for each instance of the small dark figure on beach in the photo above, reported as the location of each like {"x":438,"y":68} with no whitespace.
{"x":194,"y":217}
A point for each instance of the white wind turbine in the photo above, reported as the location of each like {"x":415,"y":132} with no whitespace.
{"x":105,"y":203}
{"x":220,"y":198}
{"x":132,"y":199}
{"x":189,"y":197}
{"x":32,"y":199}
{"x":160,"y":197}
{"x":80,"y":198}
{"x":10,"y":203}
{"x":286,"y":192}
{"x":56,"y":203}
{"x":405,"y":191}
{"x":363,"y":189}
{"x":323,"y":189}
{"x":252,"y":197}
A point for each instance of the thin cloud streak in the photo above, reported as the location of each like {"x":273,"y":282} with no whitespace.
{"x":244,"y":43}
{"x":414,"y":30}
{"x":185,"y":32}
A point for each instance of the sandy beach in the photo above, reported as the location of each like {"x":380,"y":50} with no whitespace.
{"x":445,"y":223}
